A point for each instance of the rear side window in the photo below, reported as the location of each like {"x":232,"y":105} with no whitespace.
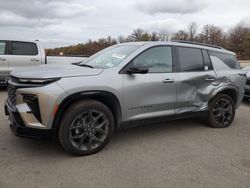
{"x":230,"y":60}
{"x":2,"y":47}
{"x":190,"y":59}
{"x":23,"y":48}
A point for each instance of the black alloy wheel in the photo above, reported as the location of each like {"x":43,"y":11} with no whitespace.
{"x":86,"y":127}
{"x":221,"y":111}
{"x":89,"y":130}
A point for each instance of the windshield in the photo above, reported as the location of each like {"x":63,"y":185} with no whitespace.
{"x":111,"y":56}
{"x":247,"y":68}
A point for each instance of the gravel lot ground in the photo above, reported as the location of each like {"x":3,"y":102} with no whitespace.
{"x":175,"y":154}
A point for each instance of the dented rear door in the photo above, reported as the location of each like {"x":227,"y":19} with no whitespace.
{"x":196,"y":80}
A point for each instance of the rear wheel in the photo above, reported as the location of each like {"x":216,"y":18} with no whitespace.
{"x":86,"y":128}
{"x":221,"y":111}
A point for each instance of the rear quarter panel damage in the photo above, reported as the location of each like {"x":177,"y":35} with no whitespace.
{"x":195,"y":92}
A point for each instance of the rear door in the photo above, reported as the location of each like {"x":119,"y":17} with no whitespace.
{"x":23,"y":54}
{"x":197,"y":79}
{"x":4,"y":67}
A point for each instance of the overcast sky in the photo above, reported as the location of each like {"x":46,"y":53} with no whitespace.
{"x":64,"y":22}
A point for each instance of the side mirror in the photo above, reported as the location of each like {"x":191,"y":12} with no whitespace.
{"x":138,"y":70}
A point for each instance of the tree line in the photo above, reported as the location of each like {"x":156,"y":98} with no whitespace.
{"x":236,"y":39}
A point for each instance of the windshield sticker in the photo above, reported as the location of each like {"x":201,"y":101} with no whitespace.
{"x":118,"y":56}
{"x":109,"y":65}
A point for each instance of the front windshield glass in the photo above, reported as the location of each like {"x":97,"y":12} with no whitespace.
{"x":111,"y":56}
{"x":247,"y":68}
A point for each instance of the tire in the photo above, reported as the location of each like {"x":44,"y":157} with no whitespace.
{"x":221,"y":111}
{"x":246,"y":99}
{"x":86,"y":127}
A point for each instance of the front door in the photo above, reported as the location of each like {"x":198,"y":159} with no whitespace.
{"x":152,"y":94}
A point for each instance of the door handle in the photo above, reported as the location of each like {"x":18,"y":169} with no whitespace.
{"x":210,"y":79}
{"x":2,"y":59}
{"x":168,"y":81}
{"x":34,"y":59}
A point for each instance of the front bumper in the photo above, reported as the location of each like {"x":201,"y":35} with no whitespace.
{"x":18,"y":128}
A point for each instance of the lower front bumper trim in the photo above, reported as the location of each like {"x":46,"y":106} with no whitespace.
{"x":31,"y":133}
{"x":18,"y":128}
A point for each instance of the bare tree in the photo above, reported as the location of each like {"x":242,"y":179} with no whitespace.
{"x":180,"y":35}
{"x":121,"y":39}
{"x":137,"y":35}
{"x":211,"y":34}
{"x":109,"y":40}
{"x":246,"y":46}
{"x":192,"y":30}
{"x":236,"y":39}
{"x":163,"y":36}
{"x":154,"y":36}
{"x":237,"y":36}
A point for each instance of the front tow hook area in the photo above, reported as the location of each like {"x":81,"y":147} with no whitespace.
{"x":14,"y":128}
{"x":6,"y":110}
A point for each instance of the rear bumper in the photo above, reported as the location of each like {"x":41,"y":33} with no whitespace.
{"x":18,"y":128}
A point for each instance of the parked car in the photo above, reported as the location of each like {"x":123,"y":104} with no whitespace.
{"x":125,"y":85}
{"x":247,"y":89}
{"x":14,"y":54}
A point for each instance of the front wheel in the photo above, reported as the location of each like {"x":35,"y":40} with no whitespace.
{"x":221,"y":111}
{"x":86,"y":127}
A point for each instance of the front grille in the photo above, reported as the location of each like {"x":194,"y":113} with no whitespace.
{"x":12,"y":94}
{"x":248,"y":82}
{"x":31,"y":100}
{"x":13,"y":85}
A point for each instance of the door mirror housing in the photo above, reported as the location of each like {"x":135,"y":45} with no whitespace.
{"x":137,"y":70}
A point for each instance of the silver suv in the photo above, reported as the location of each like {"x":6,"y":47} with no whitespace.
{"x":123,"y":85}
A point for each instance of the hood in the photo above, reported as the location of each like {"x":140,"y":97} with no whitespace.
{"x":54,"y":71}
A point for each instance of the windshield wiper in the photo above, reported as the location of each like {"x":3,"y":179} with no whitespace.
{"x":85,"y":65}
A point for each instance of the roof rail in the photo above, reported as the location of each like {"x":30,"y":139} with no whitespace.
{"x":197,"y":43}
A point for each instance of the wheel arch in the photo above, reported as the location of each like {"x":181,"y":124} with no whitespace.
{"x":107,"y":98}
{"x":230,"y":91}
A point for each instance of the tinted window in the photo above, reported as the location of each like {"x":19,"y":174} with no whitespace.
{"x":230,"y":60}
{"x":2,"y":47}
{"x":190,"y":59}
{"x":24,"y":48}
{"x":218,"y":64}
{"x":158,"y":59}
